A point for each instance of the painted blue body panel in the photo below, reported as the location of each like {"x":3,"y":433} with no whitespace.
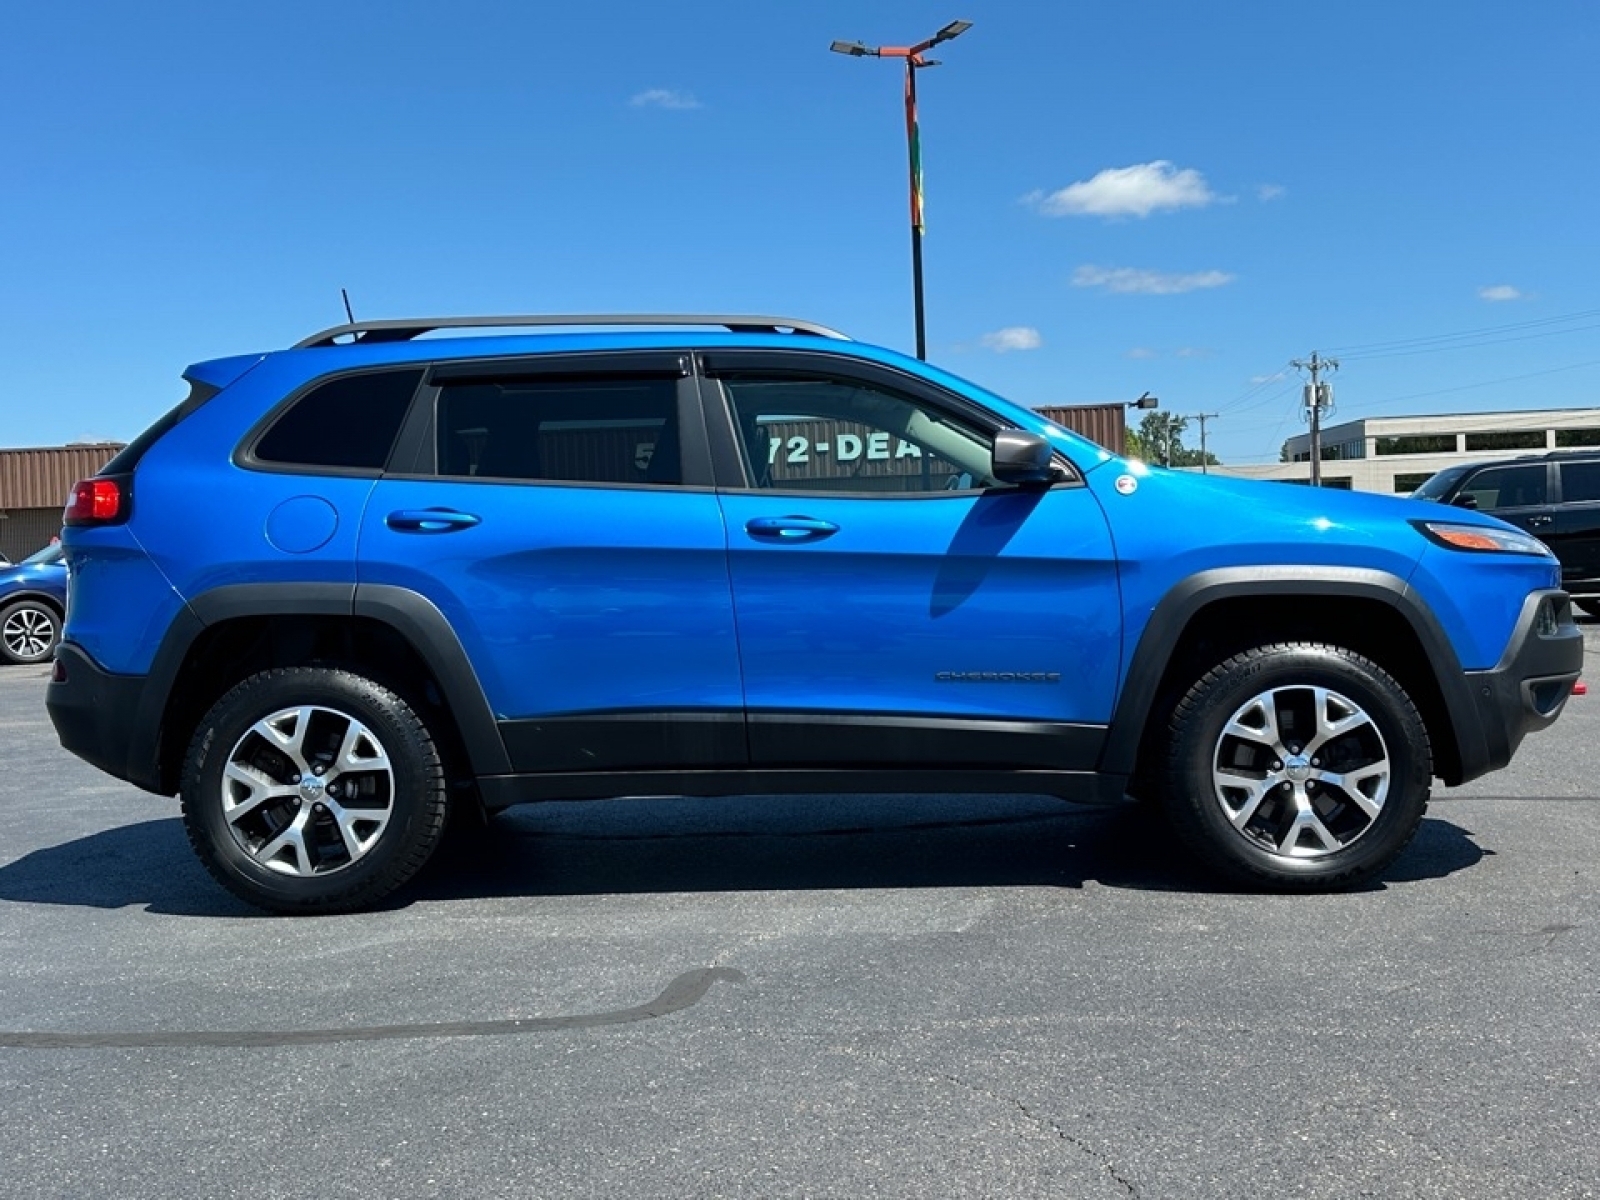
{"x":201,"y":523}
{"x":1174,"y":525}
{"x":189,"y":472}
{"x":119,"y":605}
{"x":221,"y":372}
{"x":571,"y":599}
{"x":864,"y":620}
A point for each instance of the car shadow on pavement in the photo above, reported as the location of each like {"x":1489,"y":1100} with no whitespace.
{"x":816,"y":843}
{"x":147,"y":864}
{"x":739,"y":844}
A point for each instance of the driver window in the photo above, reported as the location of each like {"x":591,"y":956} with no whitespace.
{"x":834,"y":435}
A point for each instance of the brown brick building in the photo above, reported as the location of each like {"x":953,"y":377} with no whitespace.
{"x":1103,"y":424}
{"x":33,"y":489}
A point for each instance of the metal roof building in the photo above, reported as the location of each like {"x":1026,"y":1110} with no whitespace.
{"x":34,"y":483}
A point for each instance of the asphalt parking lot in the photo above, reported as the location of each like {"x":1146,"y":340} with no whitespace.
{"x":803,"y":997}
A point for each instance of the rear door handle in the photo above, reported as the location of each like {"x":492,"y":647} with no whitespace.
{"x":789,"y":529}
{"x":430,"y":520}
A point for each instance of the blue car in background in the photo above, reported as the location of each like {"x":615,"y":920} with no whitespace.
{"x":33,"y":601}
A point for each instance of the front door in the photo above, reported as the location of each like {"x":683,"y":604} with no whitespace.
{"x":895,"y":605}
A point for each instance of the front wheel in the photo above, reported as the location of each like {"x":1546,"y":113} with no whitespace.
{"x":1297,"y":766}
{"x":311,"y":789}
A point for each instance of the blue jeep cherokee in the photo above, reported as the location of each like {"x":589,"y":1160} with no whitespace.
{"x":346,"y":588}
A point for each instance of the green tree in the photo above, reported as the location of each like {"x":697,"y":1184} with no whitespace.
{"x":1159,"y":439}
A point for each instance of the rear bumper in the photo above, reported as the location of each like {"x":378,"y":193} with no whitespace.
{"x":1527,"y":689}
{"x":97,"y":716}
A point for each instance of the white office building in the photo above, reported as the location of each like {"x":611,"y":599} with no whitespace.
{"x":1395,"y":454}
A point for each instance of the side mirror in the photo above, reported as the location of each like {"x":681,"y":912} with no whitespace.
{"x":1465,"y":500}
{"x":1021,"y":457}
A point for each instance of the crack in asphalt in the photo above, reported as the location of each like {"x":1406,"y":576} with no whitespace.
{"x":1080,"y":1145}
{"x":1049,"y":1124}
{"x":683,"y":992}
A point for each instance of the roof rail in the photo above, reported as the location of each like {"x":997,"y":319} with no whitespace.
{"x":361,"y":332}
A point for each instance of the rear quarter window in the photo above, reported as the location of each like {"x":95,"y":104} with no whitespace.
{"x":349,"y":422}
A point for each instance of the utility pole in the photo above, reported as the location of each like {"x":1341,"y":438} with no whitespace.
{"x":1203,"y":418}
{"x":1318,"y":401}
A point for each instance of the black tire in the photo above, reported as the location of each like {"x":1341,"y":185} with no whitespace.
{"x":1589,"y":605}
{"x":336,"y":787}
{"x":1298,"y":767}
{"x":29,"y":631}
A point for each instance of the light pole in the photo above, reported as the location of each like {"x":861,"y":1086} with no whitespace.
{"x":914,"y":61}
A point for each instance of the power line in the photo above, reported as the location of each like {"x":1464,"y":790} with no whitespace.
{"x":1465,"y":387}
{"x":1258,"y":385}
{"x":1366,"y":349}
{"x":1439,"y":349}
{"x":1236,"y":407}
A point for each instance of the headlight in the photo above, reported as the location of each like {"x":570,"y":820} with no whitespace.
{"x":1483,"y":538}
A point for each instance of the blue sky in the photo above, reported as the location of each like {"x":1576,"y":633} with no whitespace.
{"x":1122,"y":197}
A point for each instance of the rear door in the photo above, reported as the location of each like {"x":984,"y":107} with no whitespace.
{"x":895,"y":607}
{"x":559,"y":513}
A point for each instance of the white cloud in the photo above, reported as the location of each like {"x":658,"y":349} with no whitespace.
{"x":664,"y":98}
{"x":1012,"y":337}
{"x":1135,"y":191}
{"x":1500,"y":291}
{"x":1132,"y":280}
{"x":1141,"y":352}
{"x":1194,"y":352}
{"x":1268,"y":192}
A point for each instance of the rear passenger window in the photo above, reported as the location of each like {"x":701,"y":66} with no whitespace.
{"x":1580,"y":481}
{"x":593,"y":429}
{"x":349,"y":422}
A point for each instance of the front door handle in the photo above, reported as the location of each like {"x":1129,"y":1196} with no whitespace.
{"x":430,"y":520}
{"x":1540,"y":520}
{"x":789,"y":529}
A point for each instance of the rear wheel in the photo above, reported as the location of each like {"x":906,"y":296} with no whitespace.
{"x":29,"y":631}
{"x":1301,"y":767}
{"x":311,"y":789}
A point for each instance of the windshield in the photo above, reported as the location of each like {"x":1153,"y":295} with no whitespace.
{"x":51,"y":553}
{"x":1439,"y":486}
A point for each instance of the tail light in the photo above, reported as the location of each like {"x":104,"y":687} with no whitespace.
{"x":103,"y":500}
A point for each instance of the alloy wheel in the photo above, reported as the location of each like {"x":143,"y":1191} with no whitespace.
{"x":307,"y":791}
{"x":28,"y":634}
{"x":1301,"y":771}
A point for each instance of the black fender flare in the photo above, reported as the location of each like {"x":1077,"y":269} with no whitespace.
{"x":1185,"y":599}
{"x":410,"y":614}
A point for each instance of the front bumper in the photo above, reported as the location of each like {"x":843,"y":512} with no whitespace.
{"x":1526,"y":690}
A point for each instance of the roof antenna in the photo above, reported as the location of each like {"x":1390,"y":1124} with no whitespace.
{"x":345,"y":296}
